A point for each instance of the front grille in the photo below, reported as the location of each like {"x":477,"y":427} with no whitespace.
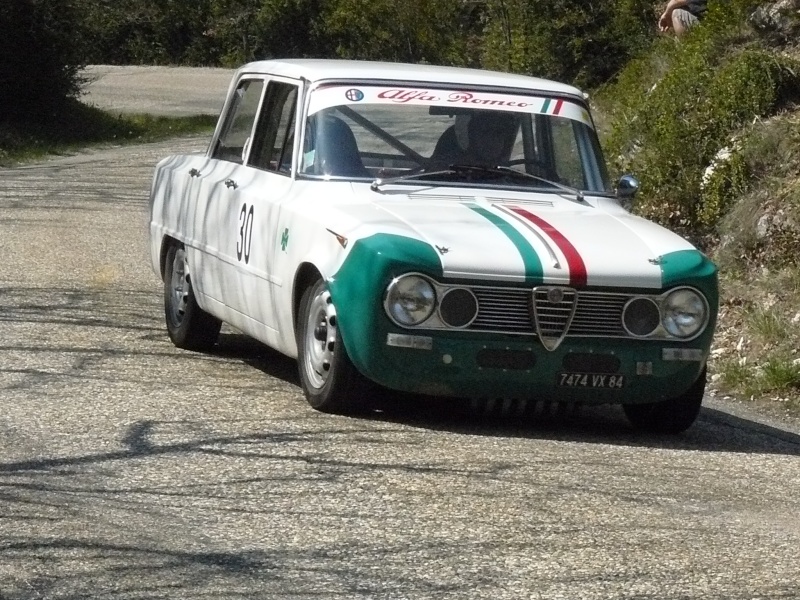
{"x":553,"y":315}
{"x":510,"y":310}
{"x":503,"y":310}
{"x":599,"y":314}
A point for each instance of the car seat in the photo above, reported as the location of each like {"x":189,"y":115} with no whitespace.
{"x":337,"y":152}
{"x":451,"y":148}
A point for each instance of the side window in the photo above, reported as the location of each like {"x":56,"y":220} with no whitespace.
{"x":274,"y":139}
{"x":566,"y":154}
{"x":235,"y":137}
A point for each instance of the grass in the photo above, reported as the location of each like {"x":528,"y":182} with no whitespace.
{"x":780,"y":374}
{"x":756,"y":352}
{"x":75,"y":126}
{"x":777,"y":377}
{"x":734,"y":373}
{"x":768,"y":324}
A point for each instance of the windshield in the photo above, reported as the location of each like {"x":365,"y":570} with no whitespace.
{"x":372,"y":132}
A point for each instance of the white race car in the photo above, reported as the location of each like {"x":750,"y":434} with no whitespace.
{"x":432,"y":230}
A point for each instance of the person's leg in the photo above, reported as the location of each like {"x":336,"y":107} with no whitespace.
{"x":682,"y":21}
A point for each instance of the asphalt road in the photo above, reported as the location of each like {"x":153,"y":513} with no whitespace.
{"x":130,"y":469}
{"x":174,"y":91}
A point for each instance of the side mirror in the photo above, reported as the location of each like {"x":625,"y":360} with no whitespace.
{"x":627,"y":187}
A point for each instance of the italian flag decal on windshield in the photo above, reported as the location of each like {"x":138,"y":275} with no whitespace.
{"x":552,"y":107}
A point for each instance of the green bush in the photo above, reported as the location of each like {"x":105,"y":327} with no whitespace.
{"x":724,"y":180}
{"x":40,"y":57}
{"x":676,"y":114}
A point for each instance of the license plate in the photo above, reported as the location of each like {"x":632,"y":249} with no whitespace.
{"x":604,"y":381}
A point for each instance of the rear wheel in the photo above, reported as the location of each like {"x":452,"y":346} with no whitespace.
{"x":189,"y":326}
{"x":671,"y":416}
{"x":330,"y":381}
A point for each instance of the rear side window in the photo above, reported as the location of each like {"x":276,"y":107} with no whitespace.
{"x":274,"y":139}
{"x":234,"y":141}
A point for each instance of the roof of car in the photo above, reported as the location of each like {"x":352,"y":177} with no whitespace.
{"x":326,"y":69}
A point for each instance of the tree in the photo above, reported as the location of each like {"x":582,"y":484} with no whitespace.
{"x":149,"y":31}
{"x":201,"y":32}
{"x":580,"y":42}
{"x":408,"y":31}
{"x":40,"y":57}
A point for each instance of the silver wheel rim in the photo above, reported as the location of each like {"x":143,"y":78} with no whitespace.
{"x":178,"y":287}
{"x":320,"y":339}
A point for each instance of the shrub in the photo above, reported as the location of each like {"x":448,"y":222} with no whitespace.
{"x":40,"y":57}
{"x":680,"y":110}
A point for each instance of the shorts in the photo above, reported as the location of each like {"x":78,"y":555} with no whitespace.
{"x":685,"y":18}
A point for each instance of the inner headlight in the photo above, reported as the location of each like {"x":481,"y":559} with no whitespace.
{"x":685,"y":313}
{"x":410,"y":300}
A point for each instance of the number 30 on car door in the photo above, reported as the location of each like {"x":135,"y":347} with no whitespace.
{"x":244,"y":237}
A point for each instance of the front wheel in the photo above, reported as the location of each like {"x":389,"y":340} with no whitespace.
{"x":329,"y":380}
{"x":189,"y":326}
{"x":671,"y":416}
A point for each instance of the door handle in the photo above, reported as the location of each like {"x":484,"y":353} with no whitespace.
{"x":194,"y":173}
{"x":230,"y":183}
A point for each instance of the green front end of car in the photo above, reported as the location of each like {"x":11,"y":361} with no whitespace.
{"x":468,"y":364}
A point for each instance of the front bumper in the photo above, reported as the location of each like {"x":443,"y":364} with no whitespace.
{"x":583,"y":370}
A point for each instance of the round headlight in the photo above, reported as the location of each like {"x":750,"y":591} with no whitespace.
{"x":685,"y":313}
{"x":410,"y":300}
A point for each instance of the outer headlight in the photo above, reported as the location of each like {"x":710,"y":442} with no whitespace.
{"x":410,"y":300}
{"x":685,"y":313}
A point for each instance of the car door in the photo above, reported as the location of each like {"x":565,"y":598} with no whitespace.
{"x":174,"y":199}
{"x":214,"y":267}
{"x":255,"y":189}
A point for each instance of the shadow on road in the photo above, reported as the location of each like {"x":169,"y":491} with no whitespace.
{"x":237,"y":346}
{"x":715,"y":431}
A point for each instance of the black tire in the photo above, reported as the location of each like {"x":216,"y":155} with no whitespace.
{"x":189,"y":326}
{"x":671,"y":416}
{"x":330,"y":381}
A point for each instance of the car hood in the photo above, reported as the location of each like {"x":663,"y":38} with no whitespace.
{"x":542,"y":238}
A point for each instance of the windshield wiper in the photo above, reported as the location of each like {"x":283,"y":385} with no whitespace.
{"x":448,"y":170}
{"x":565,"y":188}
{"x":378,"y":182}
{"x":461,"y":169}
